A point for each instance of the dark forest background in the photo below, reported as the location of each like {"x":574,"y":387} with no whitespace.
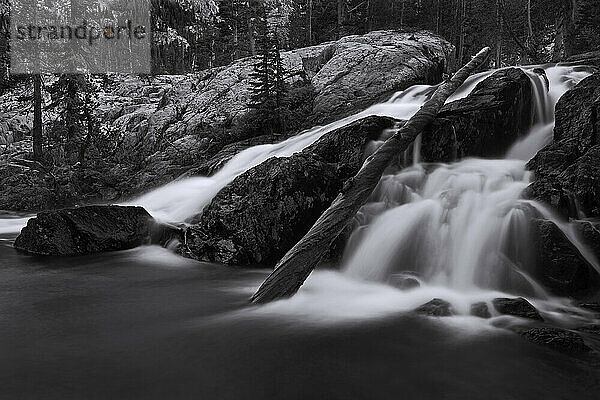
{"x":521,"y":31}
{"x":193,"y":35}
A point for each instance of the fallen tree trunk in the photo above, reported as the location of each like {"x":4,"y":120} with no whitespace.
{"x":293,"y":269}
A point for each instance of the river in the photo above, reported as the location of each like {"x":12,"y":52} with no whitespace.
{"x":145,"y":323}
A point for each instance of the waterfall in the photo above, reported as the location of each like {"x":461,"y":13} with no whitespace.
{"x":185,"y":198}
{"x":462,"y":226}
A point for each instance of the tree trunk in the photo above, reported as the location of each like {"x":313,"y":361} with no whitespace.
{"x":340,"y":17}
{"x":369,"y":19}
{"x":236,"y":40}
{"x":251,"y":40}
{"x":529,"y":25}
{"x":499,"y":33}
{"x":438,"y":17}
{"x":293,"y":269}
{"x":463,"y":31}
{"x":37,"y":117}
{"x":402,"y":14}
{"x":309,"y":23}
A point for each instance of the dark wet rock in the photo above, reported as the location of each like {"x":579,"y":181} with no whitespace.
{"x":480,"y":310}
{"x":265,"y":211}
{"x":519,"y":307}
{"x":436,"y":308}
{"x":562,"y":340}
{"x":85,"y":230}
{"x":559,"y":265}
{"x":567,"y":172}
{"x":164,"y":234}
{"x":485,"y":123}
{"x":589,"y":233}
{"x":404,"y":281}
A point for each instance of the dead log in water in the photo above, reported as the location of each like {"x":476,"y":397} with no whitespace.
{"x":293,"y":269}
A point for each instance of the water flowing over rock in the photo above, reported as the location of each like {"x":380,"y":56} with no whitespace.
{"x":346,"y":76}
{"x":266,"y":210}
{"x":560,"y":266}
{"x":519,"y":307}
{"x":567,"y":171}
{"x":484,"y":124}
{"x":85,"y":230}
{"x":480,"y":310}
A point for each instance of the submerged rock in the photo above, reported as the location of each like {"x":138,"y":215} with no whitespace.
{"x":567,"y":171}
{"x":480,"y":310}
{"x":519,"y":307}
{"x":559,"y":265}
{"x":85,"y":230}
{"x":436,"y":308}
{"x":484,"y":124}
{"x":259,"y":216}
{"x":404,"y":281}
{"x":565,"y":341}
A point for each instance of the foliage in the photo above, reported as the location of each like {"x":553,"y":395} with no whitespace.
{"x":267,"y":84}
{"x":71,"y":134}
{"x":293,"y":114}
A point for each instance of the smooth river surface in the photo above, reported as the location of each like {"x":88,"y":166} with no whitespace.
{"x":145,"y":324}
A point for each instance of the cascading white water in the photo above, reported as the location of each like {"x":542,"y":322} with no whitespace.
{"x":461,"y":226}
{"x":185,"y":198}
{"x":182,"y":199}
{"x":460,"y":229}
{"x":450,"y":230}
{"x":561,"y":79}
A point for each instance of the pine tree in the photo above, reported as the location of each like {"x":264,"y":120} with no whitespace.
{"x":267,"y":83}
{"x":73,"y":98}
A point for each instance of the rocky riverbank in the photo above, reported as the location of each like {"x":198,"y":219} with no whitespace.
{"x":159,"y":128}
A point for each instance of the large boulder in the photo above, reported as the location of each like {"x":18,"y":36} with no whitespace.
{"x":357,"y":71}
{"x":205,"y":110}
{"x":485,"y":123}
{"x":518,"y":307}
{"x":567,"y":171}
{"x":85,"y":230}
{"x":266,"y":210}
{"x":347,"y":75}
{"x":562,"y":340}
{"x":559,"y":265}
{"x":160,"y":127}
